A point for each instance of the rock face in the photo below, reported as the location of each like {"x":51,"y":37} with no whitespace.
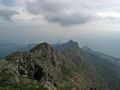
{"x":64,"y":67}
{"x":72,"y":51}
{"x":49,"y":86}
{"x":93,"y":68}
{"x":42,"y":63}
{"x":84,"y":74}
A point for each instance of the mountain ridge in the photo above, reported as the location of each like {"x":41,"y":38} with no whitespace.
{"x":61,"y":67}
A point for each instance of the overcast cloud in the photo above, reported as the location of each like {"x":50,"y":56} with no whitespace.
{"x":60,"y":12}
{"x":87,"y":21}
{"x":63,"y":12}
{"x":7,"y":14}
{"x":7,"y":2}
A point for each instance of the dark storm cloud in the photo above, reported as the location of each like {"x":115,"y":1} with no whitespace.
{"x":57,"y":13}
{"x":66,"y":20}
{"x":7,"y":14}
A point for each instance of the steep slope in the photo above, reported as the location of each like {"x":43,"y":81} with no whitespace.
{"x":102,"y":55}
{"x":87,"y":75}
{"x":106,"y":66}
{"x":72,"y":51}
{"x":42,"y":64}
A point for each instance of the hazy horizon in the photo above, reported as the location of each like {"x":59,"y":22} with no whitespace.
{"x":92,"y":23}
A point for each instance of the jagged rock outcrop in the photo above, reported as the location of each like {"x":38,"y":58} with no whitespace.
{"x":72,"y":51}
{"x":64,"y":67}
{"x":42,"y":63}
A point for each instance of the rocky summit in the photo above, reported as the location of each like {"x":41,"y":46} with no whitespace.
{"x":61,"y":67}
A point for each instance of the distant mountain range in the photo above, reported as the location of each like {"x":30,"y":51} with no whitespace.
{"x":59,"y":67}
{"x":102,"y":55}
{"x":7,"y":48}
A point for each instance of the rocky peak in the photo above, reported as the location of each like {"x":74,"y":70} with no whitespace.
{"x":71,"y":41}
{"x":72,"y":44}
{"x":41,"y":63}
{"x":71,"y":51}
{"x":44,"y":50}
{"x":46,"y":69}
{"x":68,"y":46}
{"x":43,"y":47}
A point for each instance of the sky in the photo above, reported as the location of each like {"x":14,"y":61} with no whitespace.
{"x":93,"y":23}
